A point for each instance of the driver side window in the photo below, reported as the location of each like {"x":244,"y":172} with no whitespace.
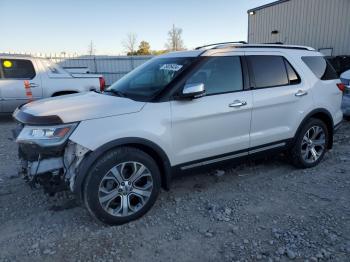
{"x":220,"y":74}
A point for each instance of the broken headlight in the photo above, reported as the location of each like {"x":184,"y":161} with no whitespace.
{"x":46,"y":135}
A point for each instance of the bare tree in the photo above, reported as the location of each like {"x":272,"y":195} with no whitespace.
{"x":130,"y":43}
{"x":175,"y":41}
{"x":91,"y":49}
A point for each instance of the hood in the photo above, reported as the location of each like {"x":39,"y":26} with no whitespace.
{"x":79,"y":107}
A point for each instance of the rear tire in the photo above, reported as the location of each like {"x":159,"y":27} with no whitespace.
{"x":310,"y":144}
{"x":121,"y":186}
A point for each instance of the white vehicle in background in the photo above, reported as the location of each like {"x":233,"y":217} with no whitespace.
{"x":345,"y":78}
{"x":46,"y":79}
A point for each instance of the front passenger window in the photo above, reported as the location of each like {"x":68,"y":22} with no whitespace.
{"x":221,"y":74}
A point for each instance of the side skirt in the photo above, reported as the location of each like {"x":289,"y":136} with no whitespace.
{"x":234,"y":157}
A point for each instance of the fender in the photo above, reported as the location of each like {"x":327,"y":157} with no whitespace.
{"x":162,"y":161}
{"x":328,"y":121}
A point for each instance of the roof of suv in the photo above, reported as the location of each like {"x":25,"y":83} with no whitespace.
{"x":237,"y":47}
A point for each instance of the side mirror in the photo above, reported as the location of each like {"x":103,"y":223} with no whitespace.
{"x":192,"y":91}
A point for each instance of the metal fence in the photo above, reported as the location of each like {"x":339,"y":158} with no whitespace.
{"x":111,"y":67}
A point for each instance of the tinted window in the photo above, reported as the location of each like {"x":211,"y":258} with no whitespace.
{"x":268,"y":71}
{"x":320,"y":67}
{"x":219,"y":75}
{"x":292,"y":74}
{"x":17,"y":69}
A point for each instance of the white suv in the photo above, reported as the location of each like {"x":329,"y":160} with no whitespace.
{"x":179,"y":111}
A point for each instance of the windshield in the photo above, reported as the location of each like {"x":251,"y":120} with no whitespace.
{"x":146,"y":81}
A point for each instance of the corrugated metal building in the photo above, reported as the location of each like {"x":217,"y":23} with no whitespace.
{"x":322,"y":24}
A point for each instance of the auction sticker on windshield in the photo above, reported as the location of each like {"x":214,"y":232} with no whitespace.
{"x":171,"y":67}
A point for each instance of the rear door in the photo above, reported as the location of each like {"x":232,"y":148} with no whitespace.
{"x":217,"y":125}
{"x":280,"y":99}
{"x":15,"y":72}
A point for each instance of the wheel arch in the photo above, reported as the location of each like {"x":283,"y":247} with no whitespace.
{"x":145,"y":145}
{"x":326,"y":117}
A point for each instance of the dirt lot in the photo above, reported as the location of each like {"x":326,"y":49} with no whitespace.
{"x":266,"y":210}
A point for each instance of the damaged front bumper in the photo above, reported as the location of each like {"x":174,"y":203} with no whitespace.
{"x":52,"y":167}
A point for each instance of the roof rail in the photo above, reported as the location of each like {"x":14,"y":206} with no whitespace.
{"x":267,"y":46}
{"x":223,"y":43}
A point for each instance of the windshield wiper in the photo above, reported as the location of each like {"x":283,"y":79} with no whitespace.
{"x":115,"y":92}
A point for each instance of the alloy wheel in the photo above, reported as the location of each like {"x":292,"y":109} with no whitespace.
{"x":313,"y":144}
{"x":125,"y":189}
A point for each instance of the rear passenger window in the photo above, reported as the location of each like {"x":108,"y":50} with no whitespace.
{"x":17,"y":69}
{"x":268,"y":71}
{"x":320,"y":67}
{"x":220,"y":74}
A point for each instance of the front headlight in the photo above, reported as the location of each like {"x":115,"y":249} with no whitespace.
{"x":46,"y":135}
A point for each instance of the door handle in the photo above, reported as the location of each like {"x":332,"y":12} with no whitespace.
{"x":301,"y":93}
{"x":238,"y":103}
{"x":33,"y":85}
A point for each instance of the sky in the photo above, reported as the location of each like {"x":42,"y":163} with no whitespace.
{"x":45,"y":26}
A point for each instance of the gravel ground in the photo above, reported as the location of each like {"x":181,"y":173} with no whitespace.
{"x":265,"y":210}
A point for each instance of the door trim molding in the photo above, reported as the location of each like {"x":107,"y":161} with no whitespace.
{"x":233,"y":155}
{"x":208,"y":162}
{"x":267,"y":148}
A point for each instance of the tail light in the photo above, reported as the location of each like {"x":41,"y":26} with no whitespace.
{"x":102,"y":84}
{"x":341,"y":87}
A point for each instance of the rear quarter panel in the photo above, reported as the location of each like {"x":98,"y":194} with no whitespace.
{"x":64,"y":82}
{"x":54,"y":85}
{"x":325,"y":93}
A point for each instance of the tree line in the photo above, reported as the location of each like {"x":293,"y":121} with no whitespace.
{"x":174,"y":43}
{"x":133,"y":47}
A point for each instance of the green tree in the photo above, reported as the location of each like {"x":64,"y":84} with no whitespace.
{"x":159,"y":52}
{"x":144,"y":48}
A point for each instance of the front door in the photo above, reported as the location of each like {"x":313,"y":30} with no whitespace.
{"x":214,"y":127}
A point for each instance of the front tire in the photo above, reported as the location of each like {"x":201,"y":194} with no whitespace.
{"x":310,"y":144}
{"x":121,"y":186}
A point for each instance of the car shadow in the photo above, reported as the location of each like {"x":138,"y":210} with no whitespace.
{"x":6,"y":118}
